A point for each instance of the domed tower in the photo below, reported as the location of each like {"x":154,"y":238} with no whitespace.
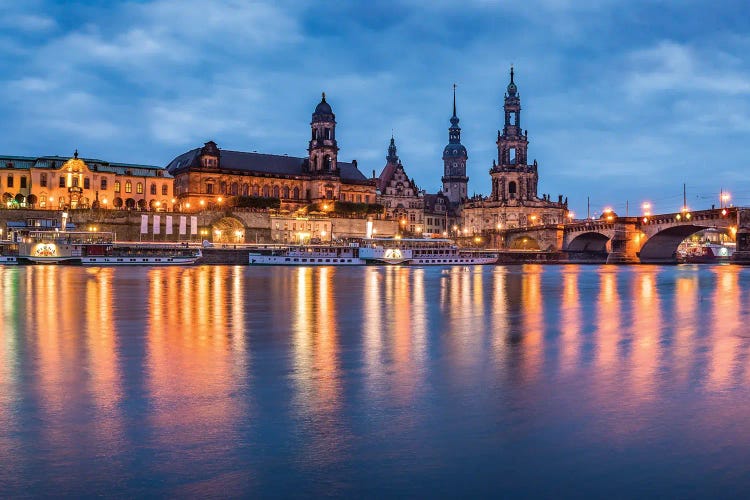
{"x":512,"y":177}
{"x":455,"y":182}
{"x":323,"y":150}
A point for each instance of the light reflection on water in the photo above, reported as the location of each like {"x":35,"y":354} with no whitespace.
{"x":376,"y":380}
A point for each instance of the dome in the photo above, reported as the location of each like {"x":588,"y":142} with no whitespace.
{"x":456,"y":150}
{"x":323,"y":108}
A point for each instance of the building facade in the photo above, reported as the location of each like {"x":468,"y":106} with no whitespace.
{"x":206,"y":177}
{"x":58,"y":183}
{"x":400,"y":195}
{"x":514,"y":201}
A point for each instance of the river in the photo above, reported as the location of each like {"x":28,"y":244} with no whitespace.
{"x":375,"y":381}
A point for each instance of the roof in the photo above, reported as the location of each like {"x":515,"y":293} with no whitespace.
{"x":430,"y":200}
{"x":55,"y":162}
{"x":260,"y":163}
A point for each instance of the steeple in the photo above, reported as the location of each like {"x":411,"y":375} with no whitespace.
{"x":454,"y":161}
{"x":392,"y":156}
{"x":512,"y":89}
{"x":454,"y":132}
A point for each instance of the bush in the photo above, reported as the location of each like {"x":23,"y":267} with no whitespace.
{"x":349,"y":208}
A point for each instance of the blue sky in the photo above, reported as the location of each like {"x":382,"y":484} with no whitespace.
{"x":623,"y":100}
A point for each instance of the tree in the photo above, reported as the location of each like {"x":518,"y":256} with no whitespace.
{"x":254,"y":202}
{"x":32,"y":199}
{"x":141,"y":204}
{"x":130,"y":203}
{"x":20,"y":198}
{"x":117,"y":202}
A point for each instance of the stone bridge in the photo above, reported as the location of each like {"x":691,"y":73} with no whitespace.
{"x":652,"y":239}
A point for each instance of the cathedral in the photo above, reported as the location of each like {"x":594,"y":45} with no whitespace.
{"x":514,"y":201}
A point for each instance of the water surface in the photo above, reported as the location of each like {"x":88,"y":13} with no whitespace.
{"x":554,"y":380}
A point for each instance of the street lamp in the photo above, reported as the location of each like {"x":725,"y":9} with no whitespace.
{"x":725,"y":197}
{"x":646,"y":206}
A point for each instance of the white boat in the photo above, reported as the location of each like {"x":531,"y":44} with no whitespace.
{"x":422,"y":252}
{"x":8,"y":253}
{"x":419,"y":252}
{"x":307,"y":255}
{"x":144,"y":255}
{"x":97,"y":248}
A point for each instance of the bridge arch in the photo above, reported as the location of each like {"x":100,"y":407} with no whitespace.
{"x":523,"y":242}
{"x":662,"y":246}
{"x":228,"y":230}
{"x":590,"y":241}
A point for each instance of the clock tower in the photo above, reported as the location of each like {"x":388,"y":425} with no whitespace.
{"x":455,"y":181}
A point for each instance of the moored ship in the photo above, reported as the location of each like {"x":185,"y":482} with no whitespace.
{"x":97,"y":248}
{"x":419,"y":252}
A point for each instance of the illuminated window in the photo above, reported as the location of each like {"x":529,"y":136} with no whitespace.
{"x":128,"y":187}
{"x":75,"y":181}
{"x":117,"y":186}
{"x":139,"y":188}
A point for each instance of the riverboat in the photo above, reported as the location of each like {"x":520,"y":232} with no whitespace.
{"x":97,"y":248}
{"x":374,"y":251}
{"x":707,"y":253}
{"x":422,"y":252}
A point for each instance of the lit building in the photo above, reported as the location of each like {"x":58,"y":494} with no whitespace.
{"x":207,"y":176}
{"x":400,"y":195}
{"x":514,"y":201}
{"x":54,"y":182}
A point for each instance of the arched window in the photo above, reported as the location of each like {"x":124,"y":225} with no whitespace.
{"x":235,"y":188}
{"x":327,"y":162}
{"x":276,"y":191}
{"x":285,"y":192}
{"x":139,"y":188}
{"x":256,"y":190}
{"x":164,"y":190}
{"x":245,"y":189}
{"x":295,"y":193}
{"x":266,"y":192}
{"x":153,"y":188}
{"x":223,"y":188}
{"x":129,"y":187}
{"x":512,"y":189}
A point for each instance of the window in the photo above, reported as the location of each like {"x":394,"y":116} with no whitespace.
{"x":266,"y":192}
{"x":328,"y":133}
{"x":10,"y":180}
{"x":295,"y":194}
{"x":164,"y":190}
{"x":512,"y":189}
{"x":42,"y":201}
{"x":128,"y":187}
{"x":285,"y":192}
{"x":23,"y":182}
{"x":276,"y":191}
{"x":62,"y":180}
{"x":153,"y":188}
{"x":117,"y":186}
{"x":223,"y":188}
{"x":139,"y":188}
{"x":235,"y":189}
{"x":245,"y":190}
{"x":43,"y":180}
{"x":75,"y":181}
{"x":512,"y":156}
{"x":86,"y":183}
{"x":104,"y":184}
{"x":210,"y":188}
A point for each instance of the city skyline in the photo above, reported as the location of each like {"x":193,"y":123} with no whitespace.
{"x":618,"y":116}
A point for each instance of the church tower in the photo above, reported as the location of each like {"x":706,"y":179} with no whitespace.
{"x":455,"y":182}
{"x":512,"y":177}
{"x":323,"y":150}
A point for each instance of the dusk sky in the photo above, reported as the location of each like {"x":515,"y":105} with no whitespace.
{"x":622,"y":100}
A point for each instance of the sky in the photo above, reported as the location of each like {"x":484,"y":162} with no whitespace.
{"x":624,"y":101}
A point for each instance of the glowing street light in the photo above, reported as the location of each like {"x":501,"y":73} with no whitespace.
{"x":725,"y":197}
